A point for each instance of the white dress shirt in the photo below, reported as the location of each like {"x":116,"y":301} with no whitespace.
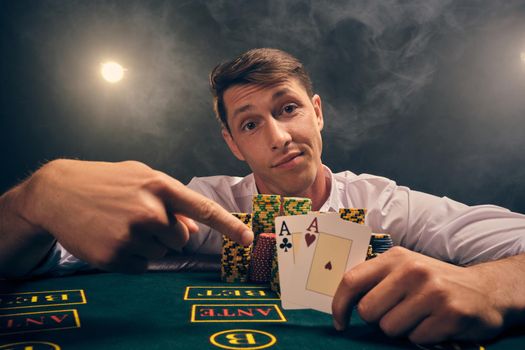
{"x":435,"y":226}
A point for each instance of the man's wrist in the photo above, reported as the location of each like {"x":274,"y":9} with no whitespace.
{"x":503,"y":282}
{"x":22,"y":204}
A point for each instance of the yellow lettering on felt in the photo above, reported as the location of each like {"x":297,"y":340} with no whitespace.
{"x":229,"y":293}
{"x":240,"y":339}
{"x":34,"y":299}
{"x":21,"y":300}
{"x":208,"y":293}
{"x":225,"y":293}
{"x":256,"y":293}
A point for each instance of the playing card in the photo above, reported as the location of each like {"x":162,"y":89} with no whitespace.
{"x":288,"y":234}
{"x":299,"y":226}
{"x":329,"y":247}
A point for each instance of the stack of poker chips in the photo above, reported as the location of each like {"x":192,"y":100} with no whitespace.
{"x":381,"y":242}
{"x":370,"y":252}
{"x":357,"y":215}
{"x":266,"y":207}
{"x":235,"y":259}
{"x":262,"y":257}
{"x":274,"y":275}
{"x":353,"y":214}
{"x":246,"y":218}
{"x":296,"y":206}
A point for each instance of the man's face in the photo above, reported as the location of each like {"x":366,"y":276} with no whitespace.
{"x":277,"y":131}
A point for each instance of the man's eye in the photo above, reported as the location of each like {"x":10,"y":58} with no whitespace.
{"x":289,"y":108}
{"x":249,"y":126}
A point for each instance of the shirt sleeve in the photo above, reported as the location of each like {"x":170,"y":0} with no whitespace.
{"x":59,"y":262}
{"x":206,"y":240}
{"x":441,"y":227}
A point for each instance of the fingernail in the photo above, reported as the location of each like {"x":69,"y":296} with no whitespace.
{"x":247,"y":238}
{"x":338,"y":326}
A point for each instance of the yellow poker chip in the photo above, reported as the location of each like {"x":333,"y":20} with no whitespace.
{"x":274,"y":280}
{"x":352,"y":211}
{"x":380,"y":235}
{"x":296,"y":210}
{"x":356,"y":215}
{"x":235,"y":261}
{"x":266,"y":198}
{"x":297,"y":205}
{"x":242,"y":215}
{"x":246,"y":218}
{"x":296,"y":202}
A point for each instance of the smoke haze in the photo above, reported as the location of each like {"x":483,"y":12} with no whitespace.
{"x":428,"y":93}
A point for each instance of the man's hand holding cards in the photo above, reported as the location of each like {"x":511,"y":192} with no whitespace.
{"x":314,"y":252}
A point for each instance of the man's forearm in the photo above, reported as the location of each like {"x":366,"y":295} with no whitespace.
{"x":22,"y":244}
{"x":506,"y":287}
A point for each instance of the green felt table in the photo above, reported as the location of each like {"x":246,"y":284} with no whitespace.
{"x":154,"y":311}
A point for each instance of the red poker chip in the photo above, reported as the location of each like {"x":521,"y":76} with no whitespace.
{"x":260,"y":269}
{"x":265,"y":242}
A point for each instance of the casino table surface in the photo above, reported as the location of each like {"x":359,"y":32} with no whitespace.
{"x":177,"y":310}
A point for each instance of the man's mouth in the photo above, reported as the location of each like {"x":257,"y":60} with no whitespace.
{"x":288,"y":160}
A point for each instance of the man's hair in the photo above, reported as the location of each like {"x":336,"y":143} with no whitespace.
{"x":263,"y":67}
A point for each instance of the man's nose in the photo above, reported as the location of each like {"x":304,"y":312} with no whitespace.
{"x":278,"y":134}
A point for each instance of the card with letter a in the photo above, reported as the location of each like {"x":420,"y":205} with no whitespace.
{"x":330,"y":246}
{"x":288,"y":231}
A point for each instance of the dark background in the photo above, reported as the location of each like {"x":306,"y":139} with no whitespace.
{"x":428,"y":93}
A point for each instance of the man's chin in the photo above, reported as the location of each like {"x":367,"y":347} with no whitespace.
{"x":287,"y":183}
{"x":295,"y":187}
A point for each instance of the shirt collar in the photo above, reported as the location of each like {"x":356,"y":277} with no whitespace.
{"x":333,"y":202}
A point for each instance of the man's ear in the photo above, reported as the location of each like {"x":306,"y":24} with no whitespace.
{"x":316,"y":101}
{"x":227,"y":136}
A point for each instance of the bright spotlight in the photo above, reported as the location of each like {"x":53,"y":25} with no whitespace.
{"x":112,"y":72}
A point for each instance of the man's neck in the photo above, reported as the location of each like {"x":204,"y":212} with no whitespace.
{"x":318,"y":192}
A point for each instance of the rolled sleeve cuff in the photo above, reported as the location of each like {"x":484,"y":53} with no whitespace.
{"x":59,"y":262}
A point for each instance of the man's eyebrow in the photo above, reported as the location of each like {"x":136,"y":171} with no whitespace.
{"x":275,"y":96}
{"x":280,"y":93}
{"x":241,"y":110}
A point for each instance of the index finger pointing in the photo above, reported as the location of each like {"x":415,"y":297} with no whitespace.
{"x":355,"y":283}
{"x":196,"y":206}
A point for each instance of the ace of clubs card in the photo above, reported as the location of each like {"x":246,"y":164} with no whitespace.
{"x":289,"y":230}
{"x":330,"y":246}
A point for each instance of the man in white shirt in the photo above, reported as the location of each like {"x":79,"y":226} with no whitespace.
{"x":117,"y":216}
